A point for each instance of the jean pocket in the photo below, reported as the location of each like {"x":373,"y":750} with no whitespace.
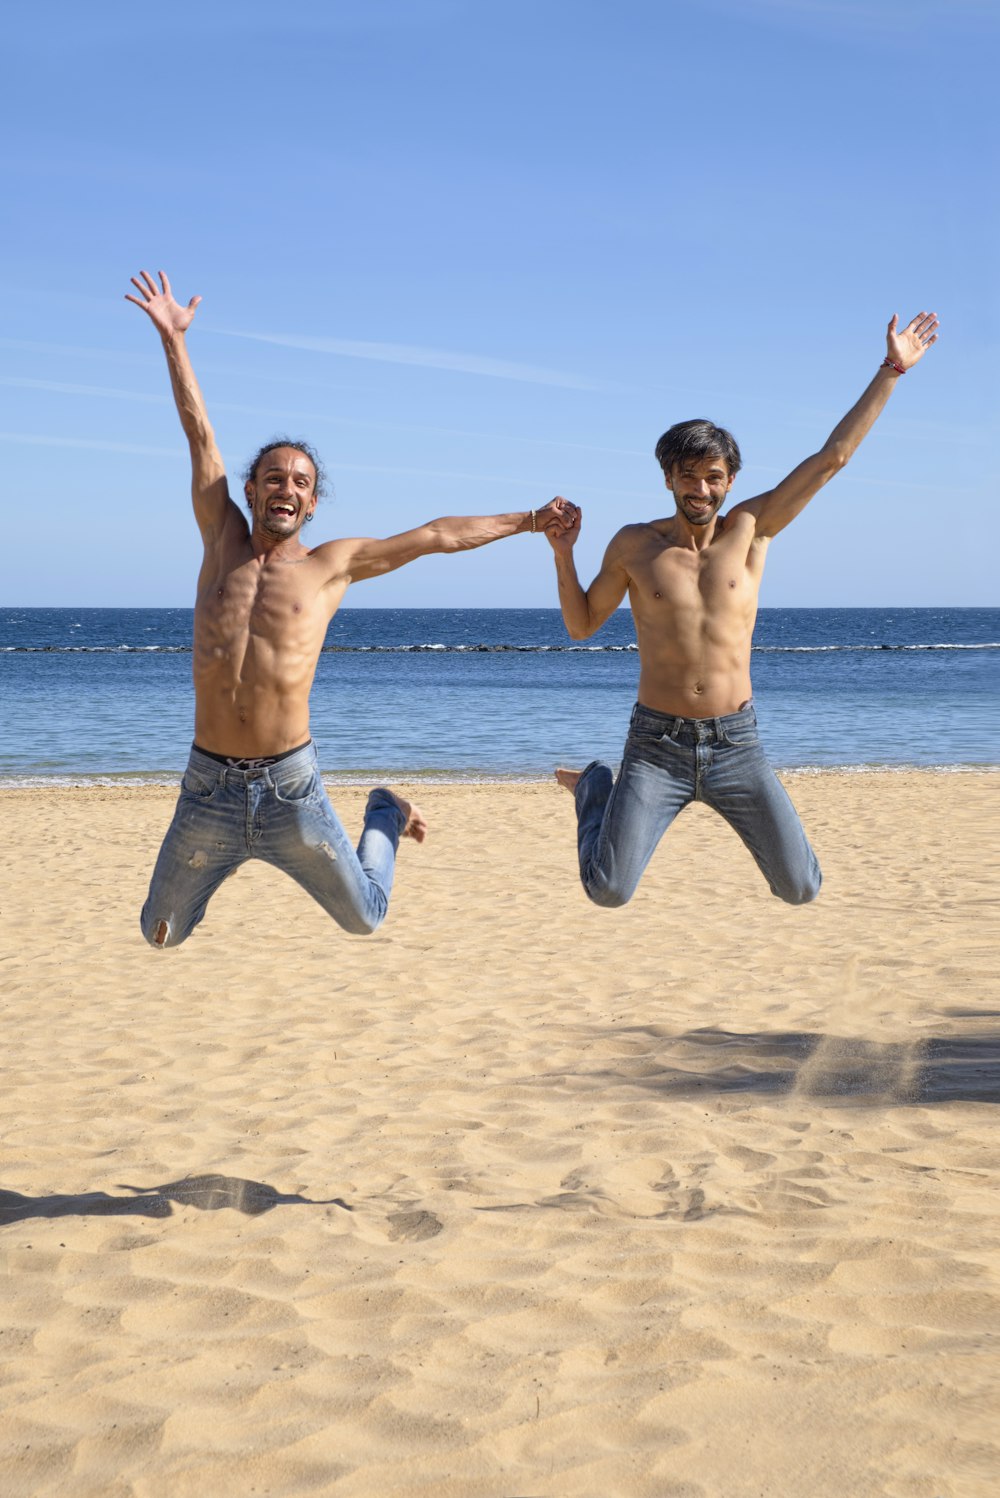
{"x":741,"y":738}
{"x":193,"y":783}
{"x":655,"y":748}
{"x":298,"y":788}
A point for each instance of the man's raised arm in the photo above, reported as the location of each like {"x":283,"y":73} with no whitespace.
{"x":775,"y":509}
{"x":364,"y":558}
{"x":209,"y":490}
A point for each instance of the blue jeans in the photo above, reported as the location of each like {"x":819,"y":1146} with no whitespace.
{"x":668,"y":763}
{"x":280,"y":813}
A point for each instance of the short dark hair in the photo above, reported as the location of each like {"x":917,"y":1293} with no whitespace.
{"x":691,"y":441}
{"x":250,"y":471}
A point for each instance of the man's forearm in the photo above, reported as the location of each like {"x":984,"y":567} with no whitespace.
{"x":849,"y":433}
{"x":188,"y":398}
{"x":572,"y":598}
{"x":466,"y":532}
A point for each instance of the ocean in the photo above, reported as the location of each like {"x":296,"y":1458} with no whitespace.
{"x":104,"y":695}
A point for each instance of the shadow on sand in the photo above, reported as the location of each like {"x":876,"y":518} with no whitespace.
{"x":208,"y":1193}
{"x":859,"y":1070}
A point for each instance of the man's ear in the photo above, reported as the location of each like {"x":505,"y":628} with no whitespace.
{"x":248,"y":492}
{"x":668,"y":481}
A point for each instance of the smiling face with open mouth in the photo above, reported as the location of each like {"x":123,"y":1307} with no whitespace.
{"x":282,"y":496}
{"x":700,"y":488}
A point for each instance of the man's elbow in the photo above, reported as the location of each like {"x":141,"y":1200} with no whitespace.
{"x":835,"y":458}
{"x":435,"y":539}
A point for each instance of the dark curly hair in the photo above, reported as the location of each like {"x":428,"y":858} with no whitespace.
{"x":250,"y":471}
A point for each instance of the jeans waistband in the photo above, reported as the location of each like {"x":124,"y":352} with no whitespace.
{"x":260,"y":763}
{"x":292,"y":761}
{"x":701,"y":730}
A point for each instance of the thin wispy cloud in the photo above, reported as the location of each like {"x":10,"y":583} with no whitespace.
{"x":63,"y":387}
{"x":423,"y":358}
{"x":72,"y":350}
{"x":268,"y":413}
{"x":92,"y":444}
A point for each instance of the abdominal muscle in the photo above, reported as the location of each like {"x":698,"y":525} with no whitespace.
{"x":690,"y":674}
{"x":249,"y":717}
{"x":252,"y":678}
{"x":694,"y":618}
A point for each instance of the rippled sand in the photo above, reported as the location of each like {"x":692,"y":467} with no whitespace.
{"x":518,"y":1197}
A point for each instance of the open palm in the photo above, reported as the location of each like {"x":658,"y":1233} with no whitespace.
{"x":906,"y":347}
{"x":168,"y":315}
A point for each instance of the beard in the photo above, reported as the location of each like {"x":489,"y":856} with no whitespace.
{"x":698,"y":517}
{"x":281,"y":526}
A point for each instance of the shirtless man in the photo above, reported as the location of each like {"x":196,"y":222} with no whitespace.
{"x":693,"y":581}
{"x":252,"y":787}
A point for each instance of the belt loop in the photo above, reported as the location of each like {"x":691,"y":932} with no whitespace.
{"x":676,"y":728}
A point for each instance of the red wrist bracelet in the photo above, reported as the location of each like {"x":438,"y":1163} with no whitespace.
{"x":888,"y":363}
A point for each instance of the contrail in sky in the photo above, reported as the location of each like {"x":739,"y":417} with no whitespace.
{"x":425,"y":358}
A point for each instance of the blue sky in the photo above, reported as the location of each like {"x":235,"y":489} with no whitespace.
{"x":484,"y":253}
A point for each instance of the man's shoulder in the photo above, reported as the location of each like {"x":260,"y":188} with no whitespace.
{"x":337,"y":557}
{"x":331,"y":551}
{"x":736,"y":524}
{"x":640,"y":533}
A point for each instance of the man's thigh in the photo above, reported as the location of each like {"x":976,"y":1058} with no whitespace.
{"x":204,"y":844}
{"x":303,"y":836}
{"x":651,"y":788}
{"x":746,"y":791}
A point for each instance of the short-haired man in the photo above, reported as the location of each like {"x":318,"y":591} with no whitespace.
{"x":693,"y":581}
{"x":252,"y":787}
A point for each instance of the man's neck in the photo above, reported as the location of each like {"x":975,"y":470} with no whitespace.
{"x":277,"y":548}
{"x":691,"y":537}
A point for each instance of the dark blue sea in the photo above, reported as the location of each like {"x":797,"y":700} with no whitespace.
{"x":496,"y":694}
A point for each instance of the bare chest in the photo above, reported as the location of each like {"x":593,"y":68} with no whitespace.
{"x":673,"y":582}
{"x":282,"y":606}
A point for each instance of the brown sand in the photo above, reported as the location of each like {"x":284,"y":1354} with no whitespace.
{"x":517,"y":1197}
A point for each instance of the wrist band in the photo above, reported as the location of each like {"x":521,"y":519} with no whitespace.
{"x":532,"y":522}
{"x":888,"y":363}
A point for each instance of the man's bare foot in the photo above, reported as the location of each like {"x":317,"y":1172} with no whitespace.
{"x":568,"y":778}
{"x":416,"y":822}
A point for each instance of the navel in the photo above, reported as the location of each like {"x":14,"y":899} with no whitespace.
{"x":699,"y":687}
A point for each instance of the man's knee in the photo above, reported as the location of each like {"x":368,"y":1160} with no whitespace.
{"x":362,"y":922}
{"x":606,"y":891}
{"x":160,"y":934}
{"x":359,"y":925}
{"x":800,"y":892}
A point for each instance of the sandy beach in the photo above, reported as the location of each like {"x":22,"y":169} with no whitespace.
{"x":518,"y":1198}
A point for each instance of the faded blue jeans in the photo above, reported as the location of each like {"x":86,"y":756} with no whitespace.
{"x":668,"y":763}
{"x":280,"y":813}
